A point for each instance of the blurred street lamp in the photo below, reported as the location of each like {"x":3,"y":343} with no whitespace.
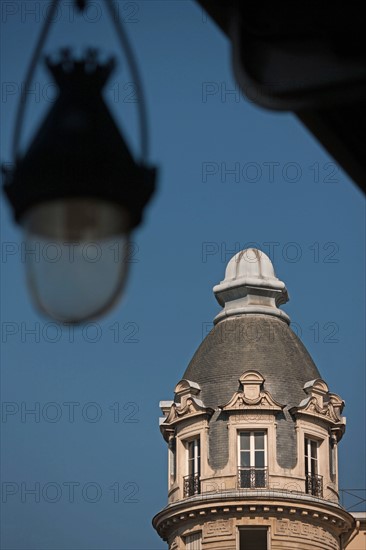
{"x":78,"y":192}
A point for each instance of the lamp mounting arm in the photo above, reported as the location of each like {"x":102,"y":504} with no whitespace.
{"x":127,"y":50}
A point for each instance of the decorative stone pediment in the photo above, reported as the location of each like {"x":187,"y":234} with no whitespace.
{"x":252,"y":395}
{"x":165,"y":407}
{"x":311,"y":406}
{"x":251,"y":382}
{"x":188,"y":406}
{"x":322,"y":404}
{"x":337,"y":402}
{"x":317,"y":388}
{"x":185,"y":387}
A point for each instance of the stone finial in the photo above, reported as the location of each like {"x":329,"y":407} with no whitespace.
{"x":187,"y":387}
{"x":317,"y":388}
{"x":251,"y":382}
{"x":250,"y":286}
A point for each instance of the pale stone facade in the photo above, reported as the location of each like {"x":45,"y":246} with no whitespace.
{"x":258,"y":469}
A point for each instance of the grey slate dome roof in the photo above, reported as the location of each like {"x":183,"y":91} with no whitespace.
{"x":251,"y":342}
{"x":251,"y":333}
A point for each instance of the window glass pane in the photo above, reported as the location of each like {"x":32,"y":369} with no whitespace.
{"x":245,"y":459}
{"x":259,"y":440}
{"x":194,"y":457}
{"x":253,"y":539}
{"x":245,"y":441}
{"x":259,"y":459}
{"x":314,"y":447}
{"x":190,"y":449}
{"x":311,"y":457}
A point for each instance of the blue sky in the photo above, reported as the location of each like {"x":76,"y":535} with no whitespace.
{"x":96,"y":389}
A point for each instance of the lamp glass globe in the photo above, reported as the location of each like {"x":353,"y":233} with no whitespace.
{"x":76,"y":254}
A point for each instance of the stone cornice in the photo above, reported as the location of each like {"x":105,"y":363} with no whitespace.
{"x":259,"y":503}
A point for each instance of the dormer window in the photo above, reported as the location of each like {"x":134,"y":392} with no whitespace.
{"x":313,"y":481}
{"x":192,"y":484}
{"x":252,"y":460}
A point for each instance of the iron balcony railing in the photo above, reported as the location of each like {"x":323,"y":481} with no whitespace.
{"x":192,"y":485}
{"x":314,"y":485}
{"x":252,"y":478}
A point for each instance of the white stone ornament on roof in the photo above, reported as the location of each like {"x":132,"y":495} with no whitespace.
{"x":190,"y":406}
{"x":251,"y":286}
{"x":250,"y":264}
{"x":252,"y":395}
